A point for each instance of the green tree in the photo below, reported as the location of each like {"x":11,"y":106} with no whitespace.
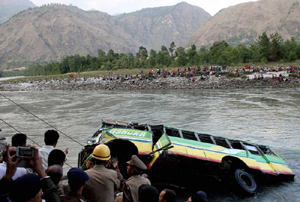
{"x":164,"y":59}
{"x":102,"y":59}
{"x":204,"y":55}
{"x":94,"y":64}
{"x":108,"y":65}
{"x":228,"y":56}
{"x":193,"y":56}
{"x":292,"y":56}
{"x":265,"y":49}
{"x":164,"y":48}
{"x":110,"y":55}
{"x":137,"y":63}
{"x":298,"y":51}
{"x":255,"y":55}
{"x":72,"y":64}
{"x":275,"y":47}
{"x":130,"y":61}
{"x":76,"y":63}
{"x":264,"y":45}
{"x":122,"y":62}
{"x":243,"y":53}
{"x":64,"y":67}
{"x":181,"y":56}
{"x":153,"y":58}
{"x":216,"y":50}
{"x":87,"y":62}
{"x":172,"y":48}
{"x":289,"y":46}
{"x":143,"y":53}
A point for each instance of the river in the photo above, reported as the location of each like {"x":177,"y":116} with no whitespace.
{"x":265,"y":116}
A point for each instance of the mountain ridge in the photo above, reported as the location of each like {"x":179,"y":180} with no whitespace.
{"x":31,"y":36}
{"x":9,"y":8}
{"x":51,"y":32}
{"x":243,"y":23}
{"x":153,"y":30}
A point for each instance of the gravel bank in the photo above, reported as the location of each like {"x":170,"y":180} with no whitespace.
{"x":212,"y":82}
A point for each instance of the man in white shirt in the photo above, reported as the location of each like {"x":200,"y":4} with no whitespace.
{"x":20,"y":170}
{"x":19,"y":173}
{"x":51,"y":137}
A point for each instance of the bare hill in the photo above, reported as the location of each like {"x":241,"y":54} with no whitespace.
{"x":243,"y":23}
{"x":160,"y":26}
{"x":52,"y":32}
{"x":8,"y":8}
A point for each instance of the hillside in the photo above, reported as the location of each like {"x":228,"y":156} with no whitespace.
{"x":49,"y":33}
{"x":243,"y":23}
{"x":155,"y":27}
{"x":8,"y":8}
{"x":52,"y":32}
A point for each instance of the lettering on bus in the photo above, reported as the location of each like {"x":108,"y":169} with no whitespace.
{"x":128,"y":132}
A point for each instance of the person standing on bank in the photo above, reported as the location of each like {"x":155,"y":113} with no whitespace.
{"x":135,"y":169}
{"x":103,"y":182}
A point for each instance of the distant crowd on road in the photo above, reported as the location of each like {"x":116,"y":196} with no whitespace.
{"x":31,"y":174}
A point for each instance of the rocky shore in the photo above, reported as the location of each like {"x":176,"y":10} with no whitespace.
{"x":212,"y":82}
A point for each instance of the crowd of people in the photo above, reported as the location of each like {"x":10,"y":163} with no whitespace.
{"x":204,"y":72}
{"x":289,"y":69}
{"x":31,"y":174}
{"x":167,"y":72}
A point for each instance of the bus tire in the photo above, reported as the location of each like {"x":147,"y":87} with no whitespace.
{"x":245,"y":182}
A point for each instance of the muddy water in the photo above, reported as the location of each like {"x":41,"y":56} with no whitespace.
{"x":265,"y":116}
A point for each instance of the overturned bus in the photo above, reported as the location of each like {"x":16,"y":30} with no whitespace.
{"x":175,"y":156}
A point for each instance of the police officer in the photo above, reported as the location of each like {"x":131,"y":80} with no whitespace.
{"x":135,"y":169}
{"x":103,"y":182}
{"x":77,"y":179}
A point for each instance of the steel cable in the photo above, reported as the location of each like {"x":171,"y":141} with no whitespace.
{"x":20,"y":132}
{"x":27,"y":138}
{"x":42,"y":120}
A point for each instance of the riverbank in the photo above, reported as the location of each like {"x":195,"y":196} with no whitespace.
{"x":92,"y":83}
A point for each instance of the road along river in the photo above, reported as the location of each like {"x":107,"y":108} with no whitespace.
{"x":264,"y":116}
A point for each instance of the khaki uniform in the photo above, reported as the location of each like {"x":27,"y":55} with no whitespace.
{"x":102,"y":184}
{"x":131,"y":187}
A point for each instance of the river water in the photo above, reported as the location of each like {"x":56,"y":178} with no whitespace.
{"x":264,"y":116}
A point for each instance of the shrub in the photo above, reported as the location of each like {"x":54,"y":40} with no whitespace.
{"x":248,"y":72}
{"x":232,"y":75}
{"x":293,"y":75}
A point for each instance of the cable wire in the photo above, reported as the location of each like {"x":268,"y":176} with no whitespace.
{"x":28,"y":138}
{"x":21,"y":132}
{"x":42,"y":120}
